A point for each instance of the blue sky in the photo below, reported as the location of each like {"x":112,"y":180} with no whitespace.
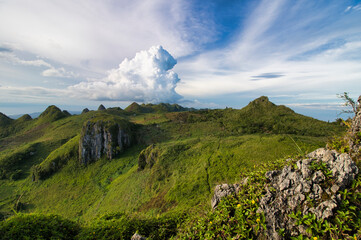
{"x":78,"y":54}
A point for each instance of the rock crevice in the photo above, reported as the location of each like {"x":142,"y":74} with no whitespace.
{"x":103,"y":138}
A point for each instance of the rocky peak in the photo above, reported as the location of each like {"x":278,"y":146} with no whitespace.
{"x":260,"y":104}
{"x":24,"y":118}
{"x":52,"y":113}
{"x":134,"y":107}
{"x":85,"y":110}
{"x":104,"y":138}
{"x":101,"y":107}
{"x":4,"y":120}
{"x":66,"y":113}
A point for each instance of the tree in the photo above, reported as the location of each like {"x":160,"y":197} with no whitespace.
{"x":350,"y":102}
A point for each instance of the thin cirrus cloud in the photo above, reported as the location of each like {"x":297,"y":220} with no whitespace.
{"x":285,"y":37}
{"x":145,"y":78}
{"x":97,"y":35}
{"x":51,"y":71}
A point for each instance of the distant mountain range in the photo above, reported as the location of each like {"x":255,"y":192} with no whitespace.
{"x":37,"y":114}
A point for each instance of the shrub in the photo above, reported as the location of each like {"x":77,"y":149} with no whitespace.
{"x":121,"y":226}
{"x":33,"y":226}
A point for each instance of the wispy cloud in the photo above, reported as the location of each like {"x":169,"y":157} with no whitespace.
{"x":10,"y":56}
{"x":58,"y":72}
{"x":355,"y":7}
{"x":294,"y":39}
{"x":51,"y":71}
{"x":96,"y":35}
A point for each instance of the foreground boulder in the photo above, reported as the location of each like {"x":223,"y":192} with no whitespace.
{"x":316,"y":179}
{"x":104,"y":138}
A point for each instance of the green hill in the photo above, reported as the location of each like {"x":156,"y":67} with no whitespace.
{"x":183,"y":154}
{"x":155,"y":108}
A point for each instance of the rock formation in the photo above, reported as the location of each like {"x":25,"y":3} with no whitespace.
{"x":101,"y":107}
{"x":147,"y":157}
{"x":222,"y":191}
{"x":137,"y":236}
{"x":310,"y":188}
{"x":100,"y":138}
{"x":85,"y":110}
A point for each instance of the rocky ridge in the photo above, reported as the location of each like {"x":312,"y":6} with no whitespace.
{"x":310,"y":187}
{"x":100,"y":138}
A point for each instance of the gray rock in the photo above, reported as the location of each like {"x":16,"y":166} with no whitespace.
{"x":271,"y":174}
{"x":292,"y":187}
{"x":222,"y":191}
{"x":284,"y":184}
{"x":136,"y":236}
{"x":344,"y":170}
{"x":317,"y":191}
{"x":325,"y":209}
{"x":103,"y":138}
{"x":318,"y":177}
{"x":335,"y":188}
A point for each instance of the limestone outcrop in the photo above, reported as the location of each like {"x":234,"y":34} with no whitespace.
{"x":104,"y":138}
{"x":311,"y":187}
{"x":137,"y":236}
{"x":147,"y":157}
{"x":222,"y":191}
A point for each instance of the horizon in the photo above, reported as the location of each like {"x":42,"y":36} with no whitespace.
{"x":203,"y":55}
{"x":329,"y":116}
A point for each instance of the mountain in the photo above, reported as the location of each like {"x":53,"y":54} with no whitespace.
{"x":155,"y":108}
{"x":145,"y":162}
{"x":37,"y":114}
{"x":4,"y":120}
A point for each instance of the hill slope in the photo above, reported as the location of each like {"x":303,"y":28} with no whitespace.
{"x":192,"y":152}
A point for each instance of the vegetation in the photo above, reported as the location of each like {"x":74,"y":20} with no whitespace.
{"x":192,"y":151}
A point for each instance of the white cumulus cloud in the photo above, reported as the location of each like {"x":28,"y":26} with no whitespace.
{"x":145,"y":78}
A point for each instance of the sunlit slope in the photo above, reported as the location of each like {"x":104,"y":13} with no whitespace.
{"x":192,"y":152}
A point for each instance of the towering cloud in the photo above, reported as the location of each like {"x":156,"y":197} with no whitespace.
{"x":146,"y":78}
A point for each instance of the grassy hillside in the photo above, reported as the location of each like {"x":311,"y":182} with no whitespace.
{"x":193,"y":151}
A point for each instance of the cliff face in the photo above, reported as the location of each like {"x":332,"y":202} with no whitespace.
{"x":100,"y":138}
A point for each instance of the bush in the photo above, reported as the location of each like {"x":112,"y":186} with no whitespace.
{"x":121,"y":226}
{"x":33,"y":226}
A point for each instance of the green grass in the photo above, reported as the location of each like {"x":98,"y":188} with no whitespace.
{"x":195,"y":151}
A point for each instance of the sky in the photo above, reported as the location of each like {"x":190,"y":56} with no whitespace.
{"x":202,"y":54}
